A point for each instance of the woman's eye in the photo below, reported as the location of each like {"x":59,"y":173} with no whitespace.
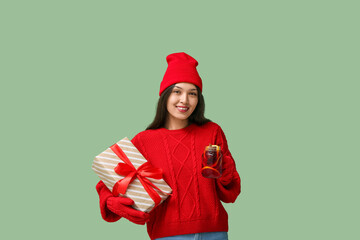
{"x":176,"y":91}
{"x":193,"y":93}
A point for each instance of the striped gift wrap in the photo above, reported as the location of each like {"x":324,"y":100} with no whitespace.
{"x":104,"y":164}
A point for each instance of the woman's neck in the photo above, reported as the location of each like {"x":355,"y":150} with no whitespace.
{"x":176,"y":124}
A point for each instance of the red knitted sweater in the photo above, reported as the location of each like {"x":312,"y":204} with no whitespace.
{"x":195,"y":204}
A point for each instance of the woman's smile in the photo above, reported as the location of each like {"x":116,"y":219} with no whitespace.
{"x":182,"y":109}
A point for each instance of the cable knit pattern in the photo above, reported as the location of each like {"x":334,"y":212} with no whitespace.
{"x":195,"y":205}
{"x":173,"y":177}
{"x":195,"y":170}
{"x":183,"y":165}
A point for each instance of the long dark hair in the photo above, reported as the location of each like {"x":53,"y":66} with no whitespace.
{"x":196,"y":117}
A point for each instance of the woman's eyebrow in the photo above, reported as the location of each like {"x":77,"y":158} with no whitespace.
{"x":190,"y":89}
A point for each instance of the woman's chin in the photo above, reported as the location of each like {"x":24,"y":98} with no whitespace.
{"x":182,"y":118}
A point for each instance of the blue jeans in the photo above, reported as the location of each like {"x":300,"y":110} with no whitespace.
{"x":199,"y":236}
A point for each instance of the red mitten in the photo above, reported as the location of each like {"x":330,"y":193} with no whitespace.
{"x":104,"y":194}
{"x":122,"y":207}
{"x":228,"y":168}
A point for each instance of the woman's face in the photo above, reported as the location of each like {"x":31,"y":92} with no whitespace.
{"x":182,"y":101}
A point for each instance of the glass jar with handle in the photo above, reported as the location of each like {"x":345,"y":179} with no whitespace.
{"x":212,"y":162}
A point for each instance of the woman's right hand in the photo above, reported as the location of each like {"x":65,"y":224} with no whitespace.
{"x":122,"y":207}
{"x":113,"y":208}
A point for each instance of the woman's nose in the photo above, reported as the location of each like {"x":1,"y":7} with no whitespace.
{"x":184,"y":98}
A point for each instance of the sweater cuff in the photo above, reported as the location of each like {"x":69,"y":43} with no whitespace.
{"x":104,"y":194}
{"x":229,"y":192}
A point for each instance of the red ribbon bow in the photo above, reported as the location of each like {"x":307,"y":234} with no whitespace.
{"x":128,"y":170}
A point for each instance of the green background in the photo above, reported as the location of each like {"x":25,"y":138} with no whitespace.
{"x":280,"y":77}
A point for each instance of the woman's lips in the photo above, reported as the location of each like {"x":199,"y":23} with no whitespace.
{"x":182,"y":109}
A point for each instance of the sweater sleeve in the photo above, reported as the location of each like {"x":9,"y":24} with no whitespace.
{"x":229,"y":184}
{"x":104,"y":194}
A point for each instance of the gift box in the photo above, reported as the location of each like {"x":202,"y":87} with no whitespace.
{"x":126,"y":172}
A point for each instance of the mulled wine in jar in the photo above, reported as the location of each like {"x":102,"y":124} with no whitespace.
{"x":212,"y":162}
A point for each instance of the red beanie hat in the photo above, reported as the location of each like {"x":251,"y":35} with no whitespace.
{"x":181,"y":68}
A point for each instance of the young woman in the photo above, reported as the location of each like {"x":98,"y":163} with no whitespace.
{"x":174,"y":142}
